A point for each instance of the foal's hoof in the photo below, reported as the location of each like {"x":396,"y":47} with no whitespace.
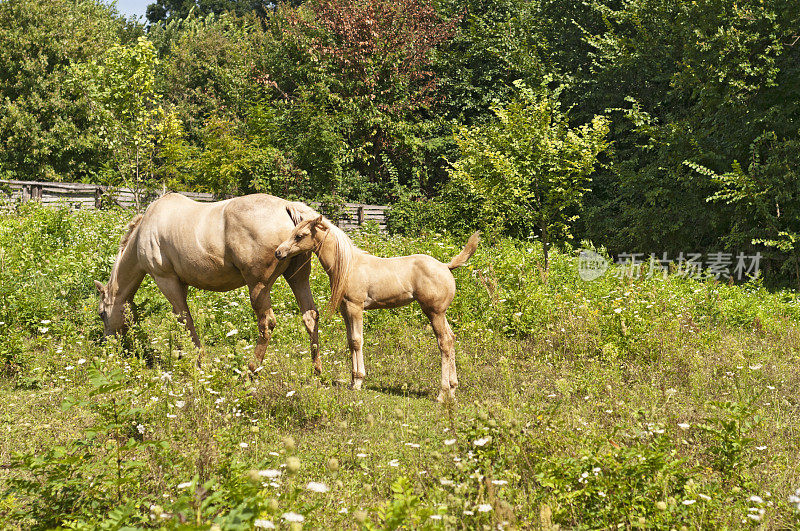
{"x":446,"y":396}
{"x":356,"y":385}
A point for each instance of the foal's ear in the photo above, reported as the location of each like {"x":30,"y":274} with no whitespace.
{"x":319,"y":221}
{"x":100,"y":287}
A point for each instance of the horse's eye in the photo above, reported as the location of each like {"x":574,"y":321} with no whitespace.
{"x":298,"y":238}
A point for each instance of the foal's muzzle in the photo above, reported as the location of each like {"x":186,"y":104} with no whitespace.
{"x":279,"y":255}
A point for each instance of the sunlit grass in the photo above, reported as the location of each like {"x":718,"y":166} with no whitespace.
{"x":651,"y":404}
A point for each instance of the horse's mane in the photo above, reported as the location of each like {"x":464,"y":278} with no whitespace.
{"x":132,"y":224}
{"x":345,"y":251}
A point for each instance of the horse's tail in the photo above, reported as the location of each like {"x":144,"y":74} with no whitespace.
{"x":468,"y":251}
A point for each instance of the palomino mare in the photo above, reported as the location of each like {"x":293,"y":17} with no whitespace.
{"x":361,"y":281}
{"x":213,"y":246}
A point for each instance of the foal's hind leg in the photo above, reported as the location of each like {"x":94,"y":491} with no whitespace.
{"x":262,"y":305}
{"x":297,"y":279}
{"x":353,"y":316}
{"x":175,"y":291}
{"x":446,"y":340}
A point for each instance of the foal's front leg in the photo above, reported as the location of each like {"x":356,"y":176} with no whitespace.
{"x":353,"y":315}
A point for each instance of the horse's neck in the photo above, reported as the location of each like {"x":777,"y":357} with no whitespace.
{"x":128,"y":274}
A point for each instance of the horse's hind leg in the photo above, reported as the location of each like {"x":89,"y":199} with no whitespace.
{"x":353,"y":316}
{"x":298,"y":281}
{"x":175,"y":291}
{"x":262,"y":305}
{"x":446,"y":340}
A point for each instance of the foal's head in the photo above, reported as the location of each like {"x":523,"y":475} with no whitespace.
{"x":302,"y":239}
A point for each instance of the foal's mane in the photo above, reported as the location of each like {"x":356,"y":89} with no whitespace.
{"x":344,"y":252}
{"x":132,"y":224}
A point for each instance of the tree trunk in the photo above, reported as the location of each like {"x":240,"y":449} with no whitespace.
{"x":545,"y":249}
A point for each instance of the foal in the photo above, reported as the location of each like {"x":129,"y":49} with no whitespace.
{"x":361,"y":281}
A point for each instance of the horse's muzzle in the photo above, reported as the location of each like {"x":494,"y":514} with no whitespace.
{"x":279,"y":255}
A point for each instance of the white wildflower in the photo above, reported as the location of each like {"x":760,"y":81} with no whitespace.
{"x":293,"y":517}
{"x":484,"y":508}
{"x":232,"y":333}
{"x":184,"y":484}
{"x":264,"y":524}
{"x":684,"y":426}
{"x":689,"y":502}
{"x":482,"y":441}
{"x":394,"y":462}
{"x":179,"y":404}
{"x":755,"y":499}
{"x":313,"y":486}
{"x":290,"y":393}
{"x":270,"y":473}
{"x":449,"y":442}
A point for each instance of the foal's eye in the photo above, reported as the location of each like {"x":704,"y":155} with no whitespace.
{"x":298,"y":238}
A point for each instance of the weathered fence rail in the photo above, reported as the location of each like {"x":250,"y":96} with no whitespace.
{"x":80,"y":195}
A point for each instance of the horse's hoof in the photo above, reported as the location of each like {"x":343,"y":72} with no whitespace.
{"x":356,"y":386}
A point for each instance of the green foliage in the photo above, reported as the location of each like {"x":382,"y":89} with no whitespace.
{"x":731,"y":444}
{"x":98,"y":472}
{"x":767,"y":191}
{"x":44,"y":121}
{"x":132,"y":123}
{"x":528,"y":169}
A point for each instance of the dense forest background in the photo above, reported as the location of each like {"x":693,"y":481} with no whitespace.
{"x":694,"y":106}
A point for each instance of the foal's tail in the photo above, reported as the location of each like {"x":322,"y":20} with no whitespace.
{"x":468,"y":251}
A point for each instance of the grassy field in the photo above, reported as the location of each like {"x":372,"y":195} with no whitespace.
{"x":617,"y":403}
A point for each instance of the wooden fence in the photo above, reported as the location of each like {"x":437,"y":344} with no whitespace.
{"x":79,"y":195}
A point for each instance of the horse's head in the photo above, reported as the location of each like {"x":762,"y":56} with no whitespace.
{"x":303,"y":238}
{"x":111,"y":310}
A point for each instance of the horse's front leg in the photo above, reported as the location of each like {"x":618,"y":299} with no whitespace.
{"x":262,"y":306}
{"x":353,"y":315}
{"x":176,"y":291}
{"x":298,"y":281}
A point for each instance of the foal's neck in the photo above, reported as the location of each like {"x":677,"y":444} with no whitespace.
{"x":326,"y":252}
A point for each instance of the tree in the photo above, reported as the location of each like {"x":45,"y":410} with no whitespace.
{"x":528,"y":167}
{"x":127,"y":111}
{"x":168,"y":10}
{"x":766,"y":195}
{"x":368,"y":66}
{"x":44,"y":121}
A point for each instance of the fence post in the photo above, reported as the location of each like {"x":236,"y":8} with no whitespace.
{"x":98,"y":197}
{"x":36,"y":192}
{"x":26,"y":193}
{"x":360,"y":215}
